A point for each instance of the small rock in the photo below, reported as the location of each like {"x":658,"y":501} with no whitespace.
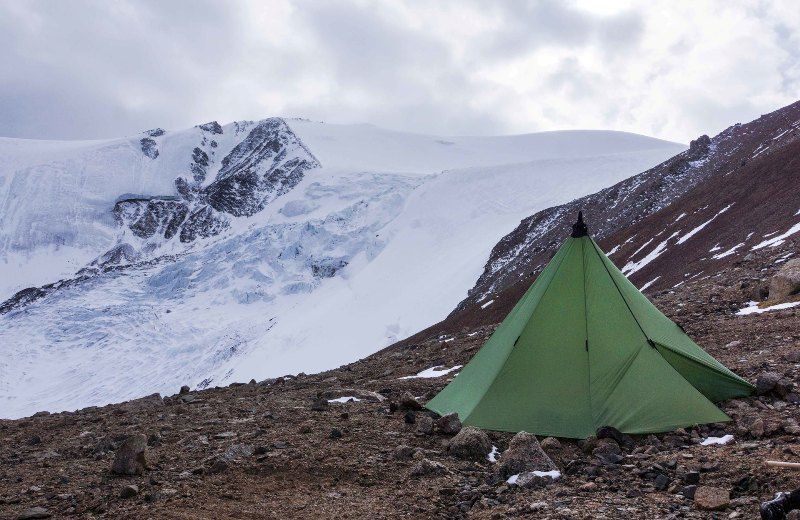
{"x":409,"y":402}
{"x":33,"y":440}
{"x":589,"y":486}
{"x":448,"y":424}
{"x":609,"y":432}
{"x":218,"y":467}
{"x":184,"y":390}
{"x":425,"y":425}
{"x":689,"y":491}
{"x":33,"y":513}
{"x":711,"y":498}
{"x":320,"y":405}
{"x":766,"y":382}
{"x":237,"y":451}
{"x":530,"y":480}
{"x":733,"y":344}
{"x":692,"y":477}
{"x":336,"y":433}
{"x":470,"y":444}
{"x":129,"y":491}
{"x":661,"y":482}
{"x":403,"y":452}
{"x":523,"y":454}
{"x":410,"y":417}
{"x":550,"y":444}
{"x":130,"y":459}
{"x":606,"y":446}
{"x":428,"y":467}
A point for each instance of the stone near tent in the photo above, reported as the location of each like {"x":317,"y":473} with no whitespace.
{"x":425,"y":425}
{"x":129,"y":459}
{"x":448,"y":424}
{"x":34,"y":512}
{"x":786,"y":282}
{"x":711,"y":498}
{"x":470,"y":444}
{"x":524,"y":454}
{"x":409,"y":402}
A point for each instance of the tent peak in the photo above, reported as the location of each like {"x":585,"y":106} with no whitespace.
{"x":579,"y":228}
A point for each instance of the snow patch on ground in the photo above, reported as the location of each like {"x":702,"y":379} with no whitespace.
{"x":345,"y":399}
{"x":554,"y":474}
{"x":778,"y":240}
{"x":728,"y":252}
{"x":699,"y":228}
{"x":753,"y":308}
{"x":433,"y":372}
{"x":648,"y":284}
{"x":725,"y":439}
{"x":487,"y":304}
{"x":492,"y":456}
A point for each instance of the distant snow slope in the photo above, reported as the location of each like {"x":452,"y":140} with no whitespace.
{"x":335,"y":261}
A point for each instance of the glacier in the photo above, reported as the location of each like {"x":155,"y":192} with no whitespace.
{"x":222,"y":253}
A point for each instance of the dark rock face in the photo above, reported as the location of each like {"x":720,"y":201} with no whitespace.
{"x":156,"y":132}
{"x":199,"y":164}
{"x":204,"y":223}
{"x":149,"y":147}
{"x":148,"y":217}
{"x":212,"y":127}
{"x":269,"y":162}
{"x":259,"y":169}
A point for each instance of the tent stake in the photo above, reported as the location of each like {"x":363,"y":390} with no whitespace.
{"x":781,"y":464}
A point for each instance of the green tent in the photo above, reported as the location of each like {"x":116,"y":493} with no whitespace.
{"x":582,"y":349}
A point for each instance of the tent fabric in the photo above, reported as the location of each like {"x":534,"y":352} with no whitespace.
{"x":583,"y":348}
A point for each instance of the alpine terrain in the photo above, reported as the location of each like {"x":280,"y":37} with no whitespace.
{"x":256,"y":249}
{"x":299,"y":244}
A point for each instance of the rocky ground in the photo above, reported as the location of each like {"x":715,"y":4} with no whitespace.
{"x":281,"y":448}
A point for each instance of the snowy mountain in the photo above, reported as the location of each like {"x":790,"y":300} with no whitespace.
{"x":689,"y":218}
{"x":255,"y":249}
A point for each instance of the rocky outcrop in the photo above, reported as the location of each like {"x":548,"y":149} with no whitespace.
{"x":148,"y":217}
{"x":149,"y":147}
{"x":786,"y":282}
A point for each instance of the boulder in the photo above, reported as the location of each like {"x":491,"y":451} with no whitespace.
{"x":470,"y":444}
{"x":786,"y":282}
{"x":130,"y":459}
{"x":403,"y":452}
{"x":425,"y":425}
{"x":129,"y":491}
{"x":524,"y":453}
{"x":448,"y":424}
{"x":609,"y":432}
{"x":766,"y":382}
{"x":427,"y":467}
{"x":711,"y":498}
{"x":409,"y":402}
{"x":320,"y":405}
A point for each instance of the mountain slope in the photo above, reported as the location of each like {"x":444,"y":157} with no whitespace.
{"x":286,"y":246}
{"x":691,"y":216}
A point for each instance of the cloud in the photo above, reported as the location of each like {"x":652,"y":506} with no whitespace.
{"x":89,"y":69}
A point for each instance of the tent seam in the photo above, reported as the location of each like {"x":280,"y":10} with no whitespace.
{"x":505,"y":360}
{"x":586,"y":336}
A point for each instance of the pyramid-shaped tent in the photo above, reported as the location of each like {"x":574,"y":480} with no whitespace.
{"x":582,"y":349}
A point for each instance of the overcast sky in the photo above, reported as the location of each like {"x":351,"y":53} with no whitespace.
{"x":675,"y":70}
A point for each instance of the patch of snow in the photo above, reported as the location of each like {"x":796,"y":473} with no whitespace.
{"x":778,"y":240}
{"x":632,"y":267}
{"x":641,"y":247}
{"x":728,"y":252}
{"x":554,"y":474}
{"x":680,"y":217}
{"x":699,"y":228}
{"x":345,"y":399}
{"x":725,"y":439}
{"x":433,"y":372}
{"x":648,"y":284}
{"x":492,"y":456}
{"x":753,"y":308}
{"x":614,"y":250}
{"x":487,"y":304}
